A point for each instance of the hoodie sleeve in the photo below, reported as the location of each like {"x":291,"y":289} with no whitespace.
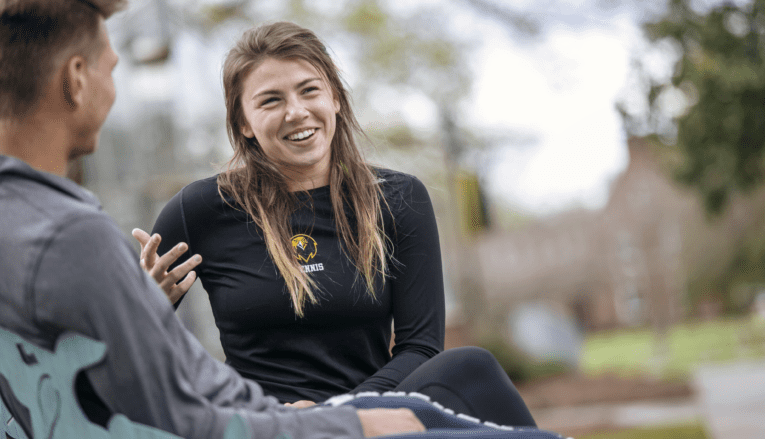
{"x":155,"y":372}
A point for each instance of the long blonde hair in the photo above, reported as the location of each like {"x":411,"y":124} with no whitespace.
{"x":258,"y":186}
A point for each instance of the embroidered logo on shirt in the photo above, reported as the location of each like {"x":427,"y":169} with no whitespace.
{"x":305,"y":250}
{"x":305,"y":247}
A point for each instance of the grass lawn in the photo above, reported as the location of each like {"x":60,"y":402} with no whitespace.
{"x":639,"y":351}
{"x":694,"y":431}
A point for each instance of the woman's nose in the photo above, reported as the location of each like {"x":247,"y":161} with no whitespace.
{"x":295,"y":112}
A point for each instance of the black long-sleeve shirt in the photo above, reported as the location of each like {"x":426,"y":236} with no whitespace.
{"x":341,"y":344}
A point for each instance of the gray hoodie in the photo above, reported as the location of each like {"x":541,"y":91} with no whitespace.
{"x":65,"y":266}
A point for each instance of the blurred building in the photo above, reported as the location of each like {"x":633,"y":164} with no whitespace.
{"x":619,"y":266}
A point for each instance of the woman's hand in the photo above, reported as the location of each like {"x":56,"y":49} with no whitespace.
{"x":384,"y":422}
{"x":303,"y":403}
{"x":157,"y":266}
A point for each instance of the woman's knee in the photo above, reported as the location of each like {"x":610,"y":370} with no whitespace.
{"x":467,"y":352}
{"x":471,"y":359}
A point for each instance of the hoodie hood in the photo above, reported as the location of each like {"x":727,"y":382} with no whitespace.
{"x":15,"y":169}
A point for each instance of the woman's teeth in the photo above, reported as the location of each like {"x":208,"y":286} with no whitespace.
{"x":301,"y":135}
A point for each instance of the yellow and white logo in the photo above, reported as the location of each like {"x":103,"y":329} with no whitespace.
{"x":305,"y":247}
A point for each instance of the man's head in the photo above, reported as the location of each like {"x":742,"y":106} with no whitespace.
{"x":51,"y":49}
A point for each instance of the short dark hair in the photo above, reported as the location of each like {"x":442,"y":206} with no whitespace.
{"x":34,"y":35}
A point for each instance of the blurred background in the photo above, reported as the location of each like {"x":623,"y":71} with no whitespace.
{"x":596,"y":168}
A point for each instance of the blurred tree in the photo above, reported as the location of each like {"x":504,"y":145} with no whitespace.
{"x":710,"y":110}
{"x":408,"y":51}
{"x":417,"y":51}
{"x":519,"y":24}
{"x":709,"y":118}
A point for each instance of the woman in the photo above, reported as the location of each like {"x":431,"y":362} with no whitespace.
{"x":309,"y":254}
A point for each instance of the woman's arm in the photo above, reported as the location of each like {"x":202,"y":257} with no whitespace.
{"x":417,"y":288}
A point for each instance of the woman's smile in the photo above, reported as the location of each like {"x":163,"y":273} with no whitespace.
{"x":301,"y":135}
{"x":290,"y":109}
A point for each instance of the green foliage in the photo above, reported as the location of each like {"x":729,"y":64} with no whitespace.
{"x":215,"y":14}
{"x":693,"y":431}
{"x":632,"y":352}
{"x":721,"y":75}
{"x":734,"y":289}
{"x":732,"y":271}
{"x":366,"y":19}
{"x":519,"y":366}
{"x":414,"y":52}
{"x":400,"y":137}
{"x":716,"y":135}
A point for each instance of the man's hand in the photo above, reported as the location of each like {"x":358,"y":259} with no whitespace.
{"x":303,"y":403}
{"x":384,"y":422}
{"x":157,"y":266}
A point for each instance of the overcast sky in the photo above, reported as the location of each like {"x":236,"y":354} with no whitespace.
{"x":560,"y":90}
{"x":557,"y":90}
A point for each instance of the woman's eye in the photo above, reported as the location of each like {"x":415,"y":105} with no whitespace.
{"x":309,"y":89}
{"x":268,"y":101}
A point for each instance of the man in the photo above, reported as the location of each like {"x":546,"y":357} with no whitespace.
{"x":65,"y":266}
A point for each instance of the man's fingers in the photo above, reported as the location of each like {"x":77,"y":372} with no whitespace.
{"x":301,"y":404}
{"x":149,"y":254}
{"x":166,"y":260}
{"x":158,"y":266}
{"x":144,"y":239}
{"x":182,"y":288}
{"x":383,"y":422}
{"x":180,"y":271}
{"x":141,"y":236}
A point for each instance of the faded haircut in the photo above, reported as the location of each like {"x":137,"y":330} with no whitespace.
{"x":35,"y":36}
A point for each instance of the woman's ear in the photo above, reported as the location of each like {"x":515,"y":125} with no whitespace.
{"x":246,"y":131}
{"x":74,"y":81}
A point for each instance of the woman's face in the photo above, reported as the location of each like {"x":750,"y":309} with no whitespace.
{"x":290,"y":109}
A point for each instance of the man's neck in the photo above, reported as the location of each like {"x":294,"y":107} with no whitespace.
{"x":41,"y":145}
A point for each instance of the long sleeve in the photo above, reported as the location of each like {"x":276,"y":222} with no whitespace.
{"x":88,"y":280}
{"x":417,"y":289}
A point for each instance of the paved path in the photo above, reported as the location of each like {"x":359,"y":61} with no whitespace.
{"x":731,"y":399}
{"x":625,"y":415}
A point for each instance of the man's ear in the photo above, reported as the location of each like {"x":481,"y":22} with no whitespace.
{"x":75,"y":81}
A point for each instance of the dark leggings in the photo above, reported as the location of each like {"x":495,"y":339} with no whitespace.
{"x":442,"y":425}
{"x":469,"y":380}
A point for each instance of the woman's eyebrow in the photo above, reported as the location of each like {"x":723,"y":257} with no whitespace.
{"x":266,"y":92}
{"x":276,"y":92}
{"x":306,"y":81}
